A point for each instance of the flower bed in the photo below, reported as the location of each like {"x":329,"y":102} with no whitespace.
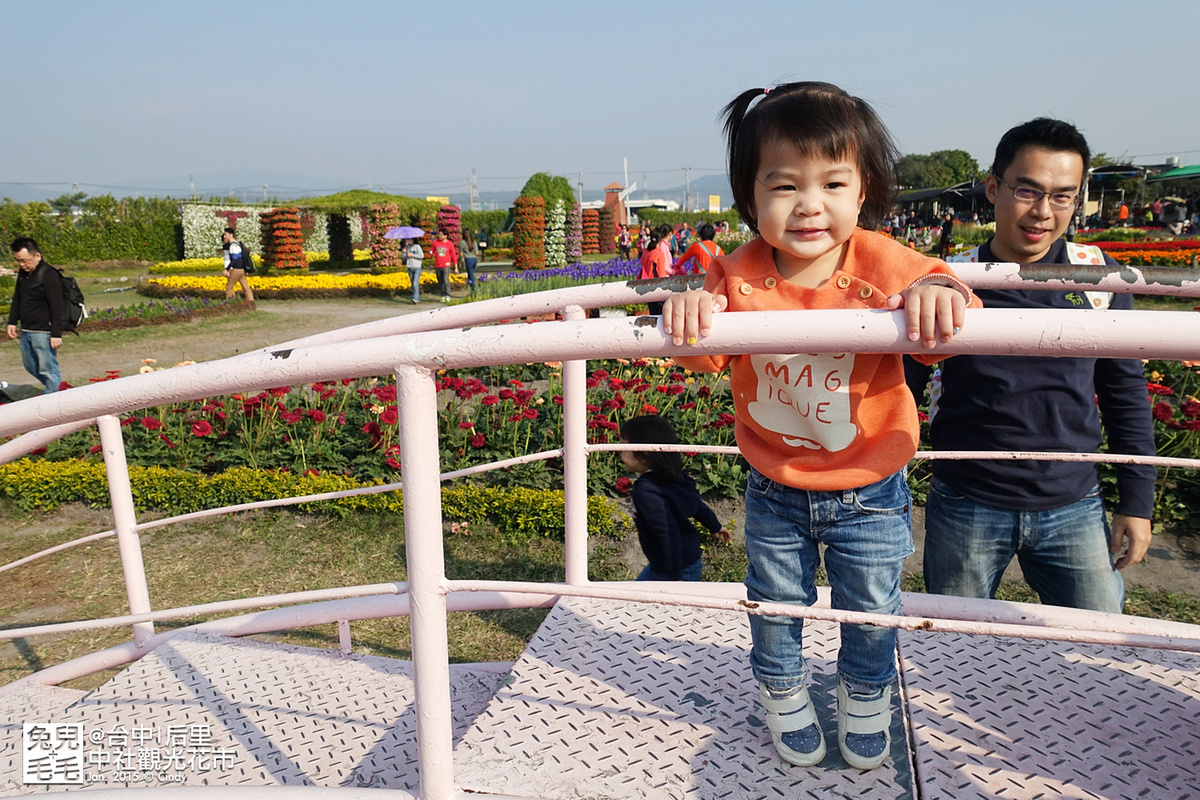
{"x":162,"y":312}
{"x":1175,"y":253}
{"x":217,"y":263}
{"x":292,"y":287}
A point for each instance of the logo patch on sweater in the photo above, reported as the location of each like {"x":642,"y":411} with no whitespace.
{"x":805,"y":398}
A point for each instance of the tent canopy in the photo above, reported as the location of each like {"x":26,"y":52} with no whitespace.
{"x":1178,"y":173}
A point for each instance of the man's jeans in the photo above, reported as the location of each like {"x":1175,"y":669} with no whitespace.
{"x":1063,"y":552}
{"x":414,"y":275}
{"x":868,"y":534}
{"x":40,"y":359}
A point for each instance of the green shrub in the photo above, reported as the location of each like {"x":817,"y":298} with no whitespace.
{"x":517,"y":513}
{"x":655,"y":217}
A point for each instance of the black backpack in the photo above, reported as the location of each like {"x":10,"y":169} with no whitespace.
{"x":73,"y":302}
{"x":247,"y":259}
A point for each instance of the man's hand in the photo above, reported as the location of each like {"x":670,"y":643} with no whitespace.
{"x":55,"y":342}
{"x":12,"y":331}
{"x":1134,"y":529}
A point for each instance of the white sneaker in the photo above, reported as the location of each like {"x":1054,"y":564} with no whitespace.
{"x":864,"y":720}
{"x":794,"y":729}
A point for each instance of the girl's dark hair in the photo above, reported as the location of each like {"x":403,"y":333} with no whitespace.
{"x":706,"y":231}
{"x":819,"y":119}
{"x":653,"y":429}
{"x":658,"y":234}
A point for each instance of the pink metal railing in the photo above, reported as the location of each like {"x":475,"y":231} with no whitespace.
{"x":437,"y":340}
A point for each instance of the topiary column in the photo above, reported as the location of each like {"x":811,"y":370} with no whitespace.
{"x":529,"y":251}
{"x":450,"y":218}
{"x":556,"y":254}
{"x":608,"y":230}
{"x":283,"y":240}
{"x":574,"y":234}
{"x":341,"y":247}
{"x":385,"y":253}
{"x":591,"y":231}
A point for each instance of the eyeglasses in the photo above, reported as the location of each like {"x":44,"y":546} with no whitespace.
{"x":1027,"y":194}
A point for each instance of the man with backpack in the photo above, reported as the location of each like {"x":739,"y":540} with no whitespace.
{"x":238,"y":265}
{"x":39,"y":310}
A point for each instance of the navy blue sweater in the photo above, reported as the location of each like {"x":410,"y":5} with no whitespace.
{"x":663,"y":513}
{"x":1045,"y":404}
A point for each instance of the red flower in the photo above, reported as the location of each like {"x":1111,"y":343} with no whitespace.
{"x":41,"y":451}
{"x":291,"y":417}
{"x":311,"y":471}
{"x":1163,"y":411}
{"x":703,"y":392}
{"x":600,"y":374}
{"x":167,"y":439}
{"x":490,"y":400}
{"x":466,"y":426}
{"x":1190,"y":408}
{"x":371,"y":428}
{"x":391,"y":462}
{"x":478,"y":440}
{"x":201,"y":428}
{"x":517,"y":384}
{"x":390,"y":415}
{"x":95,"y":448}
{"x":624,"y":485}
{"x":616,"y":383}
{"x":151,"y":423}
{"x":649,"y":409}
{"x":316,"y":415}
{"x":922,"y":416}
{"x":128,"y":421}
{"x":279,"y":391}
{"x":529,"y":413}
{"x":1158,"y":388}
{"x":687,"y":406}
{"x":505,"y":394}
{"x":558,"y":399}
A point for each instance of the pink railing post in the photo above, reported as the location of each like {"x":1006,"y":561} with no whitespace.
{"x":575,"y":468}
{"x":125,"y":523}
{"x":416,"y":400}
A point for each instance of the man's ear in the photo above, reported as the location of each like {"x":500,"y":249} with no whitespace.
{"x":990,"y":185}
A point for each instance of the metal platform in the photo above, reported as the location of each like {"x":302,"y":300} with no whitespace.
{"x":618,"y":700}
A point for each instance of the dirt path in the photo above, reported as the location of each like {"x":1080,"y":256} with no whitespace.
{"x":90,"y":355}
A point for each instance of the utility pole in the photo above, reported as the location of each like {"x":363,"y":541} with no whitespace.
{"x":580,"y":187}
{"x":192,"y":183}
{"x":264,"y":193}
{"x":625,"y":159}
{"x":474,"y":191}
{"x":687,"y":188}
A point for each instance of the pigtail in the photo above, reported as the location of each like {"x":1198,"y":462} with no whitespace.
{"x":740,"y":162}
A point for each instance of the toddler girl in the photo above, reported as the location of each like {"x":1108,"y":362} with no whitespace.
{"x":828,"y":436}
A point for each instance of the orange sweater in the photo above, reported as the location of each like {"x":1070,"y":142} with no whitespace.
{"x":822,"y":422}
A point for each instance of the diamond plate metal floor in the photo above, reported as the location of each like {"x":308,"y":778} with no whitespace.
{"x":275,"y":715}
{"x":618,"y":700}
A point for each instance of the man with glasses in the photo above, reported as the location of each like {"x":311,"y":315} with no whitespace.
{"x":1049,"y":514}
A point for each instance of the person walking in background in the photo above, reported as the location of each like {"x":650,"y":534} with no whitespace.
{"x":237,"y":266}
{"x":696,"y":258}
{"x":444,"y":257}
{"x":624,"y":242}
{"x":828,"y":436}
{"x":946,"y":241}
{"x":413,"y":256}
{"x":38,"y":308}
{"x":468,"y":257}
{"x":665,"y":501}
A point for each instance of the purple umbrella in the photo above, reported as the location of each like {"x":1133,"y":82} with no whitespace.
{"x":404,"y":232}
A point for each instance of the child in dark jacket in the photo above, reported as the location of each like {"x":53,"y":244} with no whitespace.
{"x":664,"y":502}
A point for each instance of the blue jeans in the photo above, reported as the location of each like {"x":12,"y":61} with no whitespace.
{"x":867,"y":533}
{"x":40,"y":360}
{"x":414,"y":275}
{"x":1063,"y":552}
{"x":690,"y":573}
{"x":471,"y":262}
